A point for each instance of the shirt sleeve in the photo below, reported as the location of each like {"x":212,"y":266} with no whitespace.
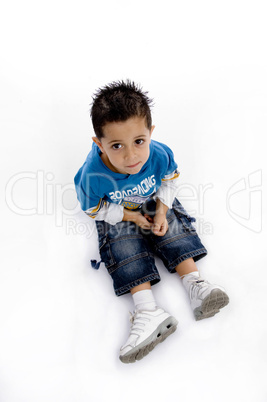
{"x":106,"y":211}
{"x":92,"y":202}
{"x":167,"y":191}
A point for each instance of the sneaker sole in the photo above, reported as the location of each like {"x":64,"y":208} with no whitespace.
{"x":211,"y":305}
{"x":165,"y":329}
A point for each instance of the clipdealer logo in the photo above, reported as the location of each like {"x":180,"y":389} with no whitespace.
{"x":243,"y":201}
{"x":48,"y":197}
{"x":246,"y":192}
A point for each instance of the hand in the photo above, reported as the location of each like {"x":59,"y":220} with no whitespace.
{"x":160,"y":224}
{"x":138,"y":219}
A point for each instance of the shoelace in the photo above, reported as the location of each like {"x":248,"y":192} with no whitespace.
{"x":198,"y":286}
{"x":138,"y":322}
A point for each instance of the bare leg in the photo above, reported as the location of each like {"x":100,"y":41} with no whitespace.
{"x":143,"y":286}
{"x":186,"y":267}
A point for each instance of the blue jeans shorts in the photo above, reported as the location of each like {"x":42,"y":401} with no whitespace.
{"x":128,"y":251}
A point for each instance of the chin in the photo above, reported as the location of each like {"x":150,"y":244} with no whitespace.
{"x":134,"y":171}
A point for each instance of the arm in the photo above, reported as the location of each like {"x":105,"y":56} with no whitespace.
{"x":113,"y":213}
{"x":160,"y":224}
{"x":167,"y":191}
{"x":164,"y":196}
{"x":105,"y":211}
{"x":137,"y":218}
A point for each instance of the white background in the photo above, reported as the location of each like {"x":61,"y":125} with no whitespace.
{"x":61,"y":326}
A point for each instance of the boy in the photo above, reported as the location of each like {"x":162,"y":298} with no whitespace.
{"x":127,"y":185}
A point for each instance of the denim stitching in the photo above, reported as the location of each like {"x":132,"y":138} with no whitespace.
{"x":123,"y":289}
{"x":110,"y":260}
{"x":128,"y":260}
{"x":172,"y":239}
{"x":126,"y":237}
{"x":184,"y":257}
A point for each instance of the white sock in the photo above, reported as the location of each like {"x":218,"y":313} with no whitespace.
{"x":144,"y":300}
{"x":195,"y":273}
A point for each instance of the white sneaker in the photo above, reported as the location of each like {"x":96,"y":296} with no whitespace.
{"x":206,"y":299}
{"x":148,"y":329}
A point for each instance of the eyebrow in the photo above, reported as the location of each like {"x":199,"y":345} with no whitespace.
{"x":119,"y":141}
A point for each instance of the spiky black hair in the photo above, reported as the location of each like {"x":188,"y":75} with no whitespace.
{"x":119,"y":101}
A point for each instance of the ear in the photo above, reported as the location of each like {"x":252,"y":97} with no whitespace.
{"x":98,"y":143}
{"x":151,"y":131}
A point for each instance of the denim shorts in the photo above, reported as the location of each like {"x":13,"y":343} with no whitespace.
{"x":128,"y":251}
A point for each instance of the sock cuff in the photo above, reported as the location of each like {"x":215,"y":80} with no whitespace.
{"x":143,"y":296}
{"x":194,"y":273}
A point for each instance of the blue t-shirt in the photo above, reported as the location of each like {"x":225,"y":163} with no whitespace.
{"x":96,"y":183}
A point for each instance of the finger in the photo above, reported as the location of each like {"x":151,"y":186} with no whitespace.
{"x":144,"y":224}
{"x":148,"y":218}
{"x":160,"y":230}
{"x":165,"y":228}
{"x":156,"y":228}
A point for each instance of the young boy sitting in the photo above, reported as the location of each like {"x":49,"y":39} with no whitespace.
{"x":127,"y":185}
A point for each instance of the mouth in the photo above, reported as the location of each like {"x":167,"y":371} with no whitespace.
{"x":133,"y":166}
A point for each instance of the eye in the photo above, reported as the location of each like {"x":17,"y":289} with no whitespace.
{"x":116,"y":146}
{"x":139,"y":141}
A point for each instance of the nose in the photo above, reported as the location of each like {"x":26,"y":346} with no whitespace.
{"x":129,"y":155}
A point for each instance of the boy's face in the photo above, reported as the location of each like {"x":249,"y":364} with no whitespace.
{"x":125,"y":145}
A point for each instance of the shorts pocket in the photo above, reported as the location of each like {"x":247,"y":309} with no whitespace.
{"x":186,"y":222}
{"x":183,"y":216}
{"x":105,"y":253}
